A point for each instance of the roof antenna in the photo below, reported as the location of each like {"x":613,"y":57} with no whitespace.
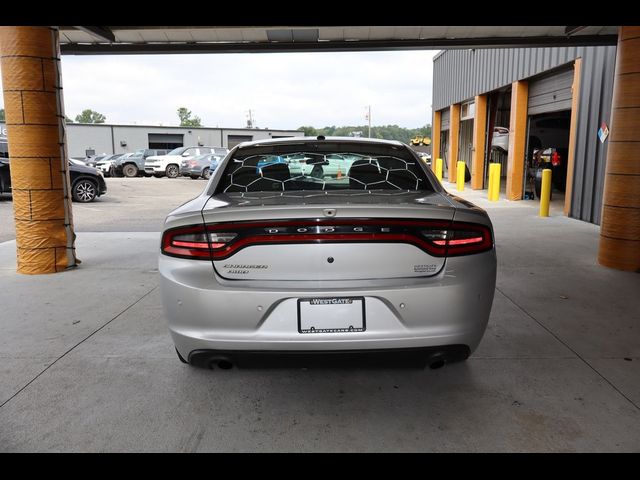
{"x":320,"y":137}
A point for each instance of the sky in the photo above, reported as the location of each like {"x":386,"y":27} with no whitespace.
{"x":282,"y":90}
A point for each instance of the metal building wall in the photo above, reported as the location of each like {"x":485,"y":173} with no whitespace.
{"x":459,"y":75}
{"x":106,"y":138}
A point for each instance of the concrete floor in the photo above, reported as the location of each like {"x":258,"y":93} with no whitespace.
{"x":87,"y":364}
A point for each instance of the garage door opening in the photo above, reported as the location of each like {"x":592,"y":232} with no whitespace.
{"x":499,"y":118}
{"x":547,"y":147}
{"x":465,"y":139}
{"x":165,"y":141}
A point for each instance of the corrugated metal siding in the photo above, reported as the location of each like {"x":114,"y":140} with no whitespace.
{"x":594,"y":107}
{"x":551,"y":93}
{"x":459,"y":75}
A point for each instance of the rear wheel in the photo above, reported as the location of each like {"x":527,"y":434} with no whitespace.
{"x":206,"y":173}
{"x":172,"y":171}
{"x":130,"y":170}
{"x":84,"y":190}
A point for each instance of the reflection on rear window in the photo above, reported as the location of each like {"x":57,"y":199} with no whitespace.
{"x":313,"y":170}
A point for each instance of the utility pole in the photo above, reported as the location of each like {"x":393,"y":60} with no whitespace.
{"x":249,"y":120}
{"x":368,"y":117}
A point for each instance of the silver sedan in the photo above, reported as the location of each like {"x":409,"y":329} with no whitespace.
{"x":377,"y":263}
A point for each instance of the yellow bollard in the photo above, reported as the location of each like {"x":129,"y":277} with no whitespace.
{"x":460,"y":176}
{"x":494,"y":182}
{"x":545,"y":192}
{"x":490,"y":186}
{"x":439,"y":169}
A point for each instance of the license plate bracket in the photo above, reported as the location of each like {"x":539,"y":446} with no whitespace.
{"x":331,"y":315}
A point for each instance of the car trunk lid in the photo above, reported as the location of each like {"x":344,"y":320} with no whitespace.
{"x":328,"y":236}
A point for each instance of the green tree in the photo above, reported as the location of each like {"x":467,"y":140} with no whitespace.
{"x":1,"y":114}
{"x":386,"y":132}
{"x":309,"y":131}
{"x":90,"y":116}
{"x":186,"y":120}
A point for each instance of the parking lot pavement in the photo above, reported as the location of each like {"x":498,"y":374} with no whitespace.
{"x":130,"y":205}
{"x":87,"y":363}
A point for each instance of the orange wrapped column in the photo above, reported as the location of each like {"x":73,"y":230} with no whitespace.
{"x":31,"y":80}
{"x":620,"y":227}
{"x":436,"y":131}
{"x":454,"y":133}
{"x":517,"y":139}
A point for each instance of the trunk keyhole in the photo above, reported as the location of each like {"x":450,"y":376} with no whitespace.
{"x":330,"y":259}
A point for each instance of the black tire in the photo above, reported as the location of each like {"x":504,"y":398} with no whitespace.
{"x":158,"y":175}
{"x":130,"y":170}
{"x":194,"y":177}
{"x":172,"y":170}
{"x":180,"y":357}
{"x":206,"y":173}
{"x":84,"y":190}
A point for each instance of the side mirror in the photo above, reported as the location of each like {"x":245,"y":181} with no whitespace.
{"x":186,"y":154}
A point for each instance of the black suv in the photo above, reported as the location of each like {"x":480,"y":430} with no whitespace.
{"x":86,"y":182}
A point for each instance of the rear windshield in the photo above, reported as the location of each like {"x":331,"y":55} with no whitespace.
{"x":324,"y":166}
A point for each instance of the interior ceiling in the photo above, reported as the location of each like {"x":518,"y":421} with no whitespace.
{"x":130,"y":40}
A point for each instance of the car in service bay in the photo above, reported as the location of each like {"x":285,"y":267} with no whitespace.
{"x":380,"y":264}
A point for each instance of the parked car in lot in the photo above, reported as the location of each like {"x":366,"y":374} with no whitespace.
{"x":87,"y":183}
{"x":93,"y":160}
{"x":133,"y":164}
{"x":169,"y":164}
{"x":4,"y":147}
{"x":108,"y":165}
{"x":379,"y":263}
{"x":201,"y":166}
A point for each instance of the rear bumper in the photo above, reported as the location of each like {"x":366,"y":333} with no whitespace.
{"x":378,"y":358}
{"x":188,"y":172}
{"x":451,"y":308}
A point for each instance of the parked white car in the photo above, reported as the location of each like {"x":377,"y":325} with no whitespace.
{"x":169,"y":164}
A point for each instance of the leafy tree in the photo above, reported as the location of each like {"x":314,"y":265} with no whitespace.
{"x":67,"y":120}
{"x":90,"y":116}
{"x":387,"y":132}
{"x":309,"y":131}
{"x":186,"y":120}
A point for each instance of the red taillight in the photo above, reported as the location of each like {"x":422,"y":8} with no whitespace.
{"x":464,"y":239}
{"x":194,"y":242}
{"x":438,"y":238}
{"x":555,"y":159}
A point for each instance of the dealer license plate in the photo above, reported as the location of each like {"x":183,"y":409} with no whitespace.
{"x":331,"y":315}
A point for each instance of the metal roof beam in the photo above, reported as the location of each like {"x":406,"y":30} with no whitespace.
{"x":102,"y":33}
{"x":572,"y":30}
{"x":335,"y":45}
